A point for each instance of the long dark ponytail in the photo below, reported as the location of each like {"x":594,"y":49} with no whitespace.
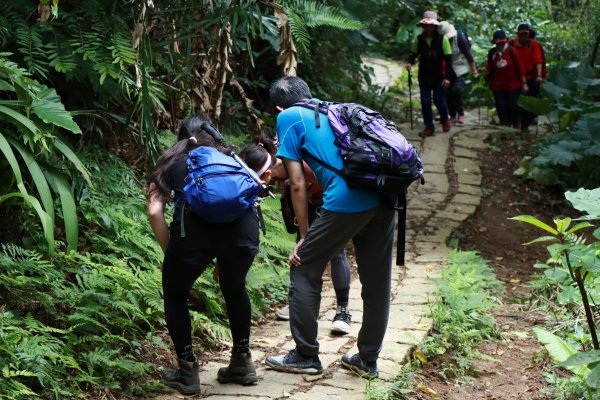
{"x":191,"y":134}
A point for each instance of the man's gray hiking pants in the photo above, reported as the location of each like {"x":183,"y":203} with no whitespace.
{"x":372,"y":233}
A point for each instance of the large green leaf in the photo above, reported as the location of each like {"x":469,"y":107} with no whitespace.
{"x":555,"y":91}
{"x":560,"y":350}
{"x":535,"y":105}
{"x":38,"y":178}
{"x":67,"y":152}
{"x":535,"y":222}
{"x":69,"y":208}
{"x":587,"y":127}
{"x":585,"y":200}
{"x":50,"y":109}
{"x":593,"y":379}
{"x":564,"y":153}
{"x":16,"y":118}
{"x":12,"y":160}
{"x":47,"y":224}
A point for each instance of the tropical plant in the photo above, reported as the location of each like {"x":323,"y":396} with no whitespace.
{"x":576,"y":267}
{"x":31,"y":118}
{"x":570,"y":154}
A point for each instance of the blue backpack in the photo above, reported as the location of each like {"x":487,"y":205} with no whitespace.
{"x":220,"y":188}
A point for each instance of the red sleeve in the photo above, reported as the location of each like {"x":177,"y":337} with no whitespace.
{"x":536,"y":52}
{"x":521,"y":66}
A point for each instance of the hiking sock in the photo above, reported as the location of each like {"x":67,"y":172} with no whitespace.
{"x":243,"y":346}
{"x":187,"y":354}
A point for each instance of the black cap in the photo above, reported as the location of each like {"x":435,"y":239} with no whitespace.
{"x":499,"y":36}
{"x":523,"y":28}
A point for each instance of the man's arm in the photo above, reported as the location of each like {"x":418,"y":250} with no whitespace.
{"x":299,"y":197}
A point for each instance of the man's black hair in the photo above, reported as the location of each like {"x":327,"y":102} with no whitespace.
{"x":286,"y":91}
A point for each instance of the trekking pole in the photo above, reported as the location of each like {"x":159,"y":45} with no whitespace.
{"x":410,"y":110}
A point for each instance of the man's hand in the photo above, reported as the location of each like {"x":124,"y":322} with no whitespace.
{"x":525,"y":88}
{"x":475,"y":75}
{"x":445,"y":83}
{"x":294,"y":258}
{"x":408,"y":67}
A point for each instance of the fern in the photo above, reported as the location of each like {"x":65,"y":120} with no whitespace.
{"x":61,"y":57}
{"x":29,"y":38}
{"x":304,"y":14}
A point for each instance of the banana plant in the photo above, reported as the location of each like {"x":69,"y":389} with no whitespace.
{"x":31,"y":118}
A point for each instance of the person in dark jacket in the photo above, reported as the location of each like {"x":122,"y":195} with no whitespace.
{"x":435,"y":65}
{"x":506,"y":78}
{"x":190,"y":245}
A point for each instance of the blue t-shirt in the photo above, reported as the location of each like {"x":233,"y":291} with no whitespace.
{"x":297,"y":131}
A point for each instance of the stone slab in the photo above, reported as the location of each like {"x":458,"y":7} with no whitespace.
{"x":462,"y":198}
{"x":466,"y":153}
{"x":469,"y":179}
{"x":469,"y":189}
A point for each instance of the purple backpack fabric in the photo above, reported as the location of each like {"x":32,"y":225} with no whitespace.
{"x":375,"y":154}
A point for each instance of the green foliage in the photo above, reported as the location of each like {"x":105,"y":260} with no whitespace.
{"x":308,"y":14}
{"x":467,"y":291}
{"x":80,"y":324}
{"x":31,"y":124}
{"x":584,"y":200}
{"x":568,"y":156}
{"x":574,"y":269}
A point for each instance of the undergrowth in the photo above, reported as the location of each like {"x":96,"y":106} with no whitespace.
{"x":467,"y":291}
{"x":81,"y":325}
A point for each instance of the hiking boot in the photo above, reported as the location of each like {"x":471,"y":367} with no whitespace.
{"x":446,"y":126}
{"x":296,"y":363}
{"x":283,"y":313}
{"x":185,"y":379}
{"x":240,"y":370}
{"x":427,"y":132}
{"x":452,"y":120}
{"x":341,"y":321}
{"x":461,"y":119}
{"x":365,"y":369}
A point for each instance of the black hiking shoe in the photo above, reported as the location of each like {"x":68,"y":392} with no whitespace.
{"x":341,"y":321}
{"x":240,"y":370}
{"x":365,"y":369}
{"x":185,"y":379}
{"x":296,"y":363}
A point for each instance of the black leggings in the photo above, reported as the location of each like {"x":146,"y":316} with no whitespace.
{"x":179,"y":273}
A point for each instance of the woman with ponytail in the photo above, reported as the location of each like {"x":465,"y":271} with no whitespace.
{"x":188,"y":253}
{"x":256,"y":155}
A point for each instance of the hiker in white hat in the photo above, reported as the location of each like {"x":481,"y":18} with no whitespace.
{"x":462,"y":62}
{"x":435,"y":61}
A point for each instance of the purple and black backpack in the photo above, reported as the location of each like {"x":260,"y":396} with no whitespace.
{"x":376,"y":156}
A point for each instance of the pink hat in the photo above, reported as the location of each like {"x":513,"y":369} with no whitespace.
{"x":429,"y":18}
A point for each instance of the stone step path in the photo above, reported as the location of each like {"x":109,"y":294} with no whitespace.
{"x":451,"y":193}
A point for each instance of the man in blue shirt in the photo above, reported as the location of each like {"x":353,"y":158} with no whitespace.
{"x":347,"y":214}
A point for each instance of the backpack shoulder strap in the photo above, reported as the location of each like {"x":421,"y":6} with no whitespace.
{"x":515,"y":60}
{"x":318,"y":106}
{"x":322,"y":163}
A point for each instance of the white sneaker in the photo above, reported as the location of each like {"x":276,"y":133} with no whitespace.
{"x":341,"y":321}
{"x":283,"y":313}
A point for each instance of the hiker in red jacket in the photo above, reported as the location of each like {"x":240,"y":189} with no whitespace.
{"x":530,"y":57}
{"x":506,"y":78}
